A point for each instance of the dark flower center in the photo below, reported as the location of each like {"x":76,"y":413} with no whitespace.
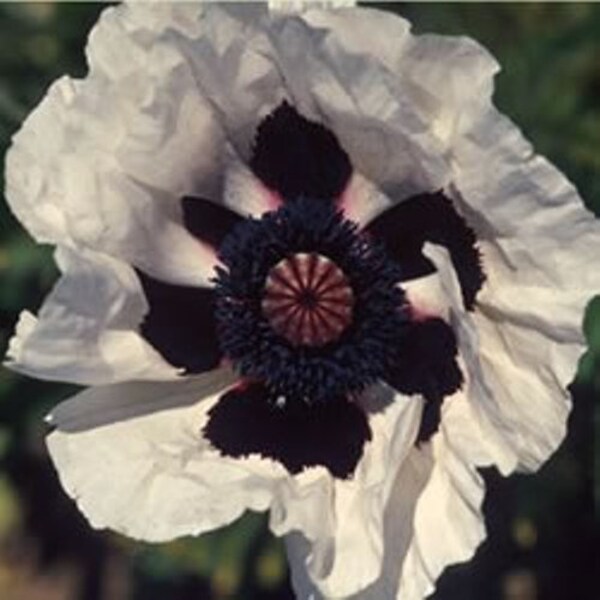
{"x":306,"y":304}
{"x":308,"y":309}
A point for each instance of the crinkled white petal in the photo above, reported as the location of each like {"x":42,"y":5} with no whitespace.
{"x":231,"y":57}
{"x":133,"y":457}
{"x":171,"y":139}
{"x":362,"y":201}
{"x":377,"y":122}
{"x":432,"y":517}
{"x":65,"y":184}
{"x":520,"y":362}
{"x":448,"y":523}
{"x":447,"y":79}
{"x":540,"y":249}
{"x":103,"y":162}
{"x":87,"y":329}
{"x":427,"y":297}
{"x":244,"y":193}
{"x":342,"y":550}
{"x":296,"y":6}
{"x":398,"y":530}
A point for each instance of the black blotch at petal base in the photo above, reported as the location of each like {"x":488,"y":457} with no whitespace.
{"x":180,"y":324}
{"x":247,"y":421}
{"x":406,"y":226}
{"x":426,"y":364}
{"x":297,"y":157}
{"x":207,"y":221}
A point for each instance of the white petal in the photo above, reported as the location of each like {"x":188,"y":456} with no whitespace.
{"x":451,"y":78}
{"x":532,"y":222}
{"x":245,"y":193}
{"x":378,"y":124}
{"x":342,"y":553}
{"x":446,"y":78}
{"x":398,"y":530}
{"x":540,"y":250}
{"x":377,"y":33}
{"x":448,"y":522}
{"x":296,"y":6}
{"x":231,"y":57}
{"x":66,"y":186}
{"x":432,"y":517}
{"x":171,"y":139}
{"x":86,"y":331}
{"x":520,"y":362}
{"x":133,"y":458}
{"x":103,"y":162}
{"x":427,"y":297}
{"x":362,"y":201}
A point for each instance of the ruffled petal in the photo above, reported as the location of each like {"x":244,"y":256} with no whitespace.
{"x":103,"y":162}
{"x":398,"y":530}
{"x":540,"y":247}
{"x":520,"y":361}
{"x":133,"y":458}
{"x":447,"y":524}
{"x":362,"y":201}
{"x":367,"y":107}
{"x":343,"y":550}
{"x":296,"y":6}
{"x":244,"y":192}
{"x":447,"y":79}
{"x":87,"y":330}
{"x":171,"y":137}
{"x":435,"y":489}
{"x":231,"y":57}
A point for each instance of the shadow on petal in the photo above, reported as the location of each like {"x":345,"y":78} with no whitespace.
{"x":105,"y":405}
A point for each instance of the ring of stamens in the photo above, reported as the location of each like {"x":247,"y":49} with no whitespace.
{"x":308,"y":300}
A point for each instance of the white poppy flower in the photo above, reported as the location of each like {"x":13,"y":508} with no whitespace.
{"x":307,"y":268}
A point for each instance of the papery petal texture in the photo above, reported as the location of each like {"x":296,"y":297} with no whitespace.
{"x":87,"y":329}
{"x":176,"y":139}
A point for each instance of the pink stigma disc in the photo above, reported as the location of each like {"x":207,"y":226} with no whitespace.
{"x":308,"y":300}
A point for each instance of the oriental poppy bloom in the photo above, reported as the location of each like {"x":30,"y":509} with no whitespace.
{"x":307,"y":268}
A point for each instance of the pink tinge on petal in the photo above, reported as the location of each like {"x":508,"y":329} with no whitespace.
{"x":272,"y":199}
{"x":426,"y":298}
{"x":361,"y":201}
{"x":245,"y":193}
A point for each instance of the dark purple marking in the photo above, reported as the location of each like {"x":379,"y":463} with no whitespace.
{"x":247,"y":420}
{"x":180,"y":324}
{"x":297,"y":157}
{"x":207,"y":221}
{"x":427,"y":365}
{"x":405,"y":227}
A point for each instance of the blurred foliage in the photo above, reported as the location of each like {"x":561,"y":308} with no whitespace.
{"x":541,"y":528}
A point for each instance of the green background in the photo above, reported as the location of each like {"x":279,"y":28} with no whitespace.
{"x":542,"y":528}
